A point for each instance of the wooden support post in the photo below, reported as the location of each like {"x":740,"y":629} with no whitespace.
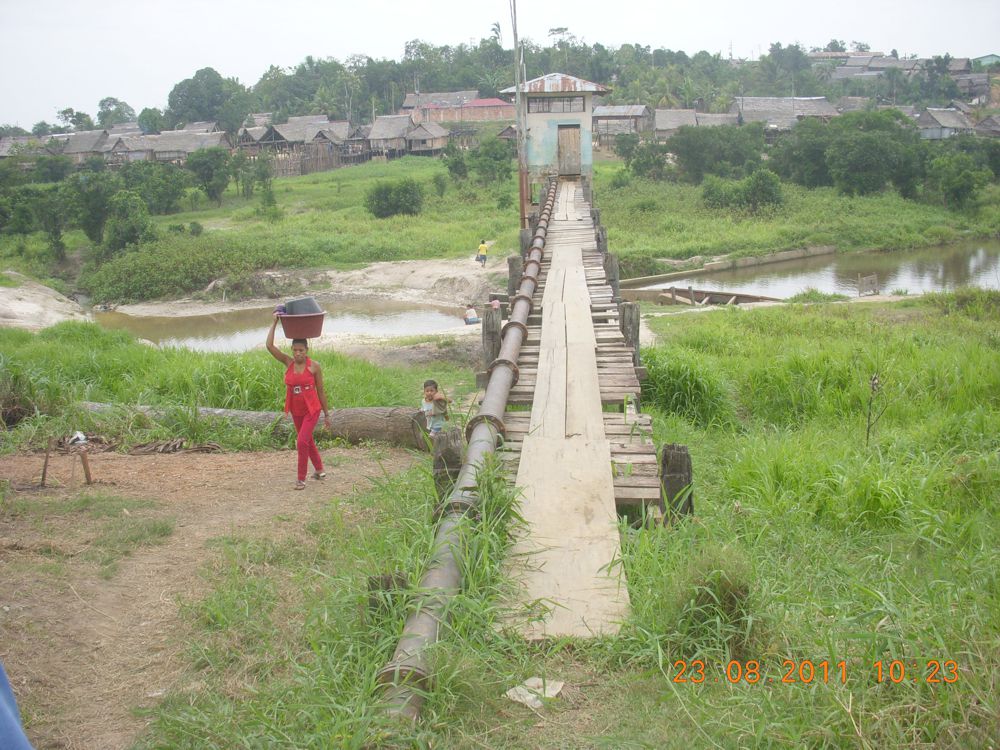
{"x":447,"y":460}
{"x":673,"y":294}
{"x":595,"y":214}
{"x":611,"y":273}
{"x":676,"y":481}
{"x":515,"y":270}
{"x":491,"y":336}
{"x":45,"y":465}
{"x":691,"y":295}
{"x":628,"y":319}
{"x":86,"y":467}
{"x":526,"y":235}
{"x":602,"y":238}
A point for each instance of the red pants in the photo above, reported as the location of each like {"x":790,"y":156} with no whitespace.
{"x":306,"y":445}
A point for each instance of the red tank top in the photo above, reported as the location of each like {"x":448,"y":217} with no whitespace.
{"x":300,"y":391}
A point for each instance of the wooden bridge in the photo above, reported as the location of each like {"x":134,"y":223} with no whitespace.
{"x":583,"y":452}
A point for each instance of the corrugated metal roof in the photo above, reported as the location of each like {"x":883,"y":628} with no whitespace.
{"x":558,"y":83}
{"x":440,"y":99}
{"x":621,"y":110}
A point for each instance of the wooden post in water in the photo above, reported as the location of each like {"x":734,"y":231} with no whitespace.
{"x":676,"y":481}
{"x":611,"y":273}
{"x":628,"y":319}
{"x":491,"y":336}
{"x":447,"y":460}
{"x":515,"y":270}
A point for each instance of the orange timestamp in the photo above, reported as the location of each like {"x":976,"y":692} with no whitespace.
{"x":809,"y":671}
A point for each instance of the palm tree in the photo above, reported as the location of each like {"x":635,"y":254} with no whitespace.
{"x":495,"y":32}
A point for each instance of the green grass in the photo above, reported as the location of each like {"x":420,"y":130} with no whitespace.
{"x":42,"y":375}
{"x":809,"y":544}
{"x":325,"y":225}
{"x":8,"y":281}
{"x":815,"y":295}
{"x":648,"y":220}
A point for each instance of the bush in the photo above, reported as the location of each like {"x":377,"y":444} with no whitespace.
{"x":386,"y":199}
{"x":440,"y":185}
{"x":759,"y":190}
{"x":685,"y":385}
{"x":195,"y":228}
{"x":128,"y":222}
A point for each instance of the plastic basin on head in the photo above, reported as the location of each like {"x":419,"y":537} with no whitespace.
{"x":302,"y":326}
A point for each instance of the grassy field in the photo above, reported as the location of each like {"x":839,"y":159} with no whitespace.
{"x":821,"y":549}
{"x":323,"y":223}
{"x":648,"y":220}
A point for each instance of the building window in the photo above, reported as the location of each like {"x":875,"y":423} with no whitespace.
{"x":555,"y":104}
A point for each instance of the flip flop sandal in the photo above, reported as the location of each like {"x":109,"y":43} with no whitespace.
{"x":319,"y":475}
{"x":300,"y":485}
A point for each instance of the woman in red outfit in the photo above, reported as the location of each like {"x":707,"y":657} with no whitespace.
{"x":304,"y":399}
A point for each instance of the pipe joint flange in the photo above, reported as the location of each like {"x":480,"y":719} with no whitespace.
{"x":458,"y":506}
{"x":522,"y":296}
{"x":530,"y":261}
{"x":504,"y":361}
{"x":402,"y":673}
{"x":477,"y":420}
{"x":515,"y":324}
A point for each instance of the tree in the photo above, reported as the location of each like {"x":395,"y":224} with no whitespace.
{"x":956,"y":179}
{"x":649,"y":160}
{"x":76,"y":120}
{"x":492,"y":160}
{"x":49,"y":211}
{"x":41,"y":128}
{"x":386,"y":199}
{"x":90,"y":196}
{"x":152,"y":120}
{"x":454,"y":162}
{"x":51,"y":168}
{"x":128,"y":222}
{"x":835,"y":45}
{"x":211,"y":171}
{"x":111,"y":111}
{"x":625,"y":146}
{"x":202,"y":97}
{"x":161,"y":186}
{"x":727,"y":151}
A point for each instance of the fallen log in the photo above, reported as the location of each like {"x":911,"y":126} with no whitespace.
{"x":400,"y":425}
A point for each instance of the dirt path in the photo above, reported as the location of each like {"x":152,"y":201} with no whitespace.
{"x":82,"y":652}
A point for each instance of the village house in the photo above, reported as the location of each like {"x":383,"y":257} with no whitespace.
{"x":782,"y":113}
{"x":82,"y":145}
{"x":612,"y":120}
{"x":426,"y":139}
{"x":937,"y":124}
{"x":990,"y":127}
{"x":417,"y":106}
{"x":388,"y":135}
{"x":209,"y":126}
{"x":668,"y":121}
{"x":170,"y":146}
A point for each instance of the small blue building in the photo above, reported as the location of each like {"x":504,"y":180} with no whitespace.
{"x":557,"y":110}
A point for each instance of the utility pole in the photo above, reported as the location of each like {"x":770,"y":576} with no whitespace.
{"x":522,"y":159}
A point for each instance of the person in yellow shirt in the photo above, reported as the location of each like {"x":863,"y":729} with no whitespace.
{"x":481,"y":252}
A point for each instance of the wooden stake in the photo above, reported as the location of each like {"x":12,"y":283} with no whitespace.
{"x":86,"y":467}
{"x":45,"y":466}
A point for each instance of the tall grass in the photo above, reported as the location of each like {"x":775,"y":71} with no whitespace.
{"x":290,"y":644}
{"x":648,"y":220}
{"x":42,"y":375}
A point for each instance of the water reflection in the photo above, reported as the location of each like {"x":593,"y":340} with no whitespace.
{"x":934,"y":269}
{"x":241,"y":330}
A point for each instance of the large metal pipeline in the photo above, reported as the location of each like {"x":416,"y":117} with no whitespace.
{"x":407,"y":675}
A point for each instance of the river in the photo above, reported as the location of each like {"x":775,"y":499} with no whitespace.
{"x":929,"y":269}
{"x":241,"y":330}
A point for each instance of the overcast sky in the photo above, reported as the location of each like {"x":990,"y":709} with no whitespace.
{"x":72,"y":54}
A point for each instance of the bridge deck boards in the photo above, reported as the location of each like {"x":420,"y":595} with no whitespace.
{"x":574,"y":463}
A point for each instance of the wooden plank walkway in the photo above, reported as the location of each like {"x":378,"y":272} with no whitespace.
{"x":575,"y":464}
